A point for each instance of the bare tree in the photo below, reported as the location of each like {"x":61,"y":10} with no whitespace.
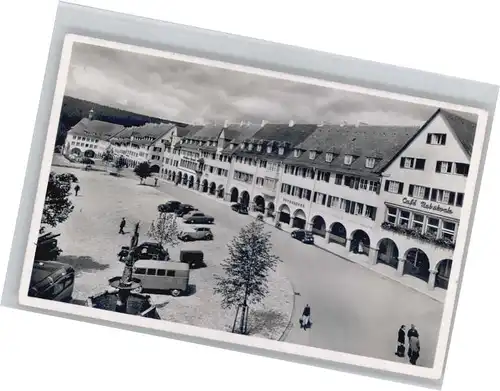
{"x":246,"y":271}
{"x":165,"y":230}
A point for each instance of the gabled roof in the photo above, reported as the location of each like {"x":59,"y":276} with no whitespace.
{"x":365,"y":141}
{"x":190,"y":130}
{"x":239,"y":132}
{"x":142,"y":134}
{"x":464,"y":129}
{"x":208,"y":132}
{"x":183,"y":131}
{"x":98,"y":129}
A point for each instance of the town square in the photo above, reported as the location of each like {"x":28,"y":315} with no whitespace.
{"x":354,"y":310}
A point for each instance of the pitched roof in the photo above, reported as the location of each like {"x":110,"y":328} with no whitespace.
{"x":276,"y":135}
{"x":464,"y":129}
{"x":99,"y":129}
{"x":365,"y":141}
{"x":182,"y":131}
{"x":207,"y":132}
{"x":191,"y":130}
{"x":143,"y":134}
{"x":239,"y":132}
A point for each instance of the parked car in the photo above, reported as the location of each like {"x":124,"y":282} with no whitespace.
{"x":194,"y":258}
{"x":151,"y":250}
{"x":169,"y":207}
{"x":47,"y":248}
{"x":242,"y":209}
{"x":184,"y":209}
{"x":197,"y":217}
{"x":157,"y":276}
{"x":303,"y":235}
{"x":197,"y":233}
{"x":52,"y":280}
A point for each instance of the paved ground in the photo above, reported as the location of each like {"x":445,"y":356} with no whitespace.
{"x":354,"y":310}
{"x":90,"y":241}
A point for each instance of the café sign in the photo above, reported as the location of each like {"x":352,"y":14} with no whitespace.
{"x":427,"y":205}
{"x":294,"y":203}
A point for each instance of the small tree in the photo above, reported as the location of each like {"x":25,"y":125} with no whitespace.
{"x":143,"y":171}
{"x":107,"y":156}
{"x":246,"y":271}
{"x":120,"y":163}
{"x":164,"y":230}
{"x":57,"y":206}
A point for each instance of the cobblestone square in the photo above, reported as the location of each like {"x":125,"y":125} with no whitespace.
{"x":354,"y":310}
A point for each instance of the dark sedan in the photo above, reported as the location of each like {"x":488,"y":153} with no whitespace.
{"x":242,"y":209}
{"x":303,"y":235}
{"x":184,"y":209}
{"x":196,"y":217}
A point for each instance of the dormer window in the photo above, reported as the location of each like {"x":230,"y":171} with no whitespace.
{"x":281,"y":150}
{"x":296,"y":153}
{"x":259,"y":148}
{"x":312,"y":155}
{"x":242,"y":146}
{"x":269,"y":149}
{"x":348,"y":160}
{"x":329,"y":157}
{"x":370,"y":162}
{"x":250,"y":146}
{"x":231,"y":146}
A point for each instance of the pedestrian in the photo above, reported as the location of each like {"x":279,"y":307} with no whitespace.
{"x":414,"y":349}
{"x":122,"y":225}
{"x":400,"y":352}
{"x":156,"y":182}
{"x":77,"y":189}
{"x":306,"y":317}
{"x":412,"y":332}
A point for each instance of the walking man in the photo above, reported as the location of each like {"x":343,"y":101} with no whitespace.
{"x":414,"y":350}
{"x":412,"y":332}
{"x":156,"y":182}
{"x":400,"y":352}
{"x":77,"y":189}
{"x":306,"y":317}
{"x":122,"y":225}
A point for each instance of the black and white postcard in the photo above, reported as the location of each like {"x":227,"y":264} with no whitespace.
{"x":253,"y":207}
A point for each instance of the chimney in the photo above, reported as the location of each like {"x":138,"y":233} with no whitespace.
{"x":360,"y":123}
{"x":291,"y":123}
{"x":91,"y":114}
{"x":343,"y":123}
{"x":242,"y":123}
{"x":226,"y":123}
{"x":264,"y":123}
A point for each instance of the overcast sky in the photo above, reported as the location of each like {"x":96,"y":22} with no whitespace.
{"x":190,"y":93}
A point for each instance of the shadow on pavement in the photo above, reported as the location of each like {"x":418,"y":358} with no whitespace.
{"x":266,"y":321}
{"x":82,"y":262}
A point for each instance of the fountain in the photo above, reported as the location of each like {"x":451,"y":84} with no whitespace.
{"x":120,"y":296}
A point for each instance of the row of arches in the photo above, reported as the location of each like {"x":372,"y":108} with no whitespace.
{"x":415,"y":260}
{"x":191,"y":182}
{"x":78,"y":152}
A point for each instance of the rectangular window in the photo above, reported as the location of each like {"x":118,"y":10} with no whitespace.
{"x":462,"y":169}
{"x":412,"y":163}
{"x":443,"y":196}
{"x":170,"y":273}
{"x":329,"y":157}
{"x":335,"y":202}
{"x":140,"y":271}
{"x":404,"y":218}
{"x":394,"y":187}
{"x":359,"y":208}
{"x":432,"y":226}
{"x":391,"y":215}
{"x":436,"y":139}
{"x":347,"y":160}
{"x":448,"y":230}
{"x":338,"y":179}
{"x":370,"y":162}
{"x":418,"y":222}
{"x":420,"y":192}
{"x":460,"y":199}
{"x":151,"y":272}
{"x":161,"y":272}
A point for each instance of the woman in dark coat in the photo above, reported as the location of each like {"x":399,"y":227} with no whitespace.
{"x":401,"y":342}
{"x":306,"y":317}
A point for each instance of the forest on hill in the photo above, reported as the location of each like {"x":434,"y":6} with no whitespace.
{"x":73,"y":110}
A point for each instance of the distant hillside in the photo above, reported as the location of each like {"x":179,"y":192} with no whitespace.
{"x":73,"y":110}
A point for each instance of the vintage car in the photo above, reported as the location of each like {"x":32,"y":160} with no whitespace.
{"x":196,"y":233}
{"x":194,"y":258}
{"x":52,"y":280}
{"x":184,"y":209}
{"x":242,"y":209}
{"x":146,"y":250}
{"x":197,"y":217}
{"x":169,"y":207}
{"x":303,"y":235}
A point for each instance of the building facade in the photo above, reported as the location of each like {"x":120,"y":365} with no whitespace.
{"x":374,"y":194}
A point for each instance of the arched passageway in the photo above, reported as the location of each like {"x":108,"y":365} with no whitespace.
{"x":443,"y":273}
{"x":284,"y":214}
{"x":299,"y":219}
{"x":234,"y":194}
{"x":318,"y":226}
{"x":245,"y":198}
{"x":388,"y":253}
{"x":417,"y":264}
{"x":259,"y":204}
{"x":360,"y":242}
{"x":337,"y":234}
